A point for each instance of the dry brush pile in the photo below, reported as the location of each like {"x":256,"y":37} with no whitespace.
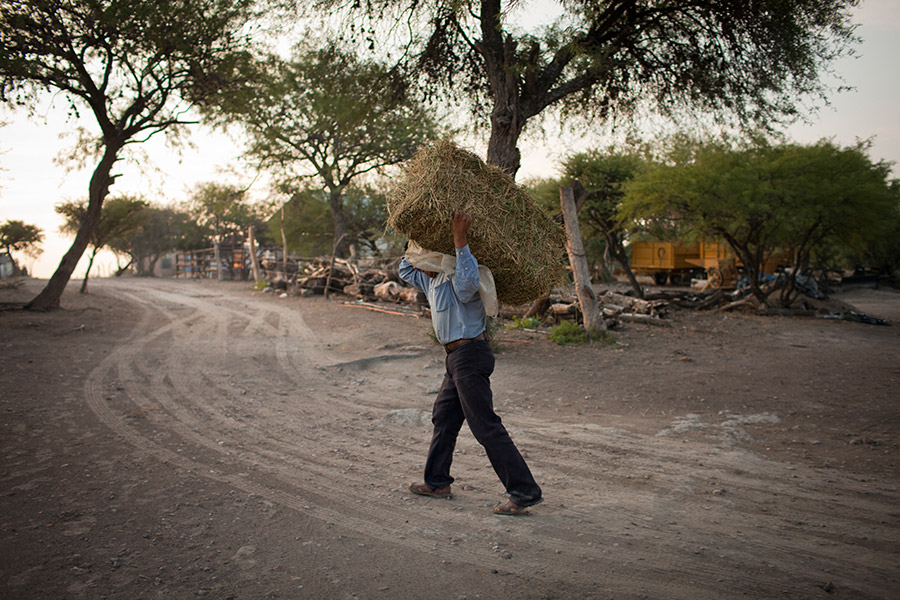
{"x":511,"y":235}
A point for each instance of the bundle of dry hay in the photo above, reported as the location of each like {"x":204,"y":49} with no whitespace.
{"x":511,"y":235}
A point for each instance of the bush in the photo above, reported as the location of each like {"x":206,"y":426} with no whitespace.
{"x":568,"y":333}
{"x":525,"y":323}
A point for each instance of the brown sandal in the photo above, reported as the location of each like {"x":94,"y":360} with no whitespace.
{"x":423,"y":489}
{"x":510,"y":508}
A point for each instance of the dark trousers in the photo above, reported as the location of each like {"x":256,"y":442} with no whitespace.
{"x":465,"y":395}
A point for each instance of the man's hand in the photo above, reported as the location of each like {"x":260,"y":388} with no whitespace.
{"x":461,"y":223}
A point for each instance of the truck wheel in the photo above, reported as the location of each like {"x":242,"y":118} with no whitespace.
{"x":678,"y":278}
{"x":660,"y":277}
{"x":715,"y":277}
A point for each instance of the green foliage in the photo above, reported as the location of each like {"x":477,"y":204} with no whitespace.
{"x":762,"y":198}
{"x":569,"y":333}
{"x":17,"y":236}
{"x":329,"y":115}
{"x":306,"y":221}
{"x":142,"y":57}
{"x":545,"y":191}
{"x":223,"y":210}
{"x":747,"y":64}
{"x":366,"y":212}
{"x":309,"y":229}
{"x":162,"y":230}
{"x":883,"y":252}
{"x":599,"y":178}
{"x":525,"y":323}
{"x":119,"y":217}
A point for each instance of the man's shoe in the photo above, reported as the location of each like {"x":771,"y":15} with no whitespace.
{"x":510,"y":508}
{"x":423,"y":489}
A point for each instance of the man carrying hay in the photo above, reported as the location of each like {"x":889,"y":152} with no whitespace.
{"x":459,"y":319}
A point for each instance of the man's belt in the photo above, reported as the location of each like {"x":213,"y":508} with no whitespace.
{"x":462,"y":342}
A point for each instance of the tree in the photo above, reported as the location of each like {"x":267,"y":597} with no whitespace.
{"x":138,"y":67}
{"x":224,"y":212}
{"x":763,"y":198}
{"x":328,"y":114}
{"x":17,"y":236}
{"x":602,"y":176}
{"x":307,"y":223}
{"x":609,"y":58}
{"x":883,"y":253}
{"x":119,"y":217}
{"x":160,"y":232}
{"x":832,"y":197}
{"x":306,"y":220}
{"x":366,"y":217}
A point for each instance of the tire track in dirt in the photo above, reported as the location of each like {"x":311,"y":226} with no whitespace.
{"x":186,"y":431}
{"x":744,"y":492}
{"x":374,"y":522}
{"x":663,"y":475}
{"x":282,"y":458}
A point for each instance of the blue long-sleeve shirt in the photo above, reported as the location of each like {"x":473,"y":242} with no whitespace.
{"x":456,"y":308}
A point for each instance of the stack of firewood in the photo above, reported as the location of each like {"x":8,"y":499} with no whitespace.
{"x":325,"y":276}
{"x":614,"y":306}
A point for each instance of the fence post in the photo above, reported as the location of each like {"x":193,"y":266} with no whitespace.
{"x":575,"y":246}
{"x":254,"y":261}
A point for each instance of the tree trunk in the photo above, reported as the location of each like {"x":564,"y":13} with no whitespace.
{"x":151,"y":265}
{"x":12,"y":261}
{"x":87,"y":272}
{"x":254,"y":260}
{"x":49,"y":297}
{"x":505,"y":130}
{"x":507,"y":117}
{"x":751,"y":264}
{"x":283,"y":247}
{"x":617,"y":250}
{"x":120,"y":270}
{"x":336,"y":201}
{"x":593,"y":320}
{"x":542,"y":304}
{"x":220,"y":275}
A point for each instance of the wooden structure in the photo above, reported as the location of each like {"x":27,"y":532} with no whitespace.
{"x":233,"y":262}
{"x":194,"y":264}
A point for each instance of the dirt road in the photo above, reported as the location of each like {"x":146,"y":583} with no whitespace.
{"x":180,"y":439}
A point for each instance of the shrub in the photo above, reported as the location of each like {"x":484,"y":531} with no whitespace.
{"x":569,"y":333}
{"x":525,"y":323}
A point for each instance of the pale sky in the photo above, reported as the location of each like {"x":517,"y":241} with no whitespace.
{"x":31,"y":183}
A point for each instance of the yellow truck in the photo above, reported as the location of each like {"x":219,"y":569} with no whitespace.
{"x":666,"y":261}
{"x":677,"y":262}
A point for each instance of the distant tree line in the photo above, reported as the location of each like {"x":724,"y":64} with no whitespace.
{"x":834,"y":207}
